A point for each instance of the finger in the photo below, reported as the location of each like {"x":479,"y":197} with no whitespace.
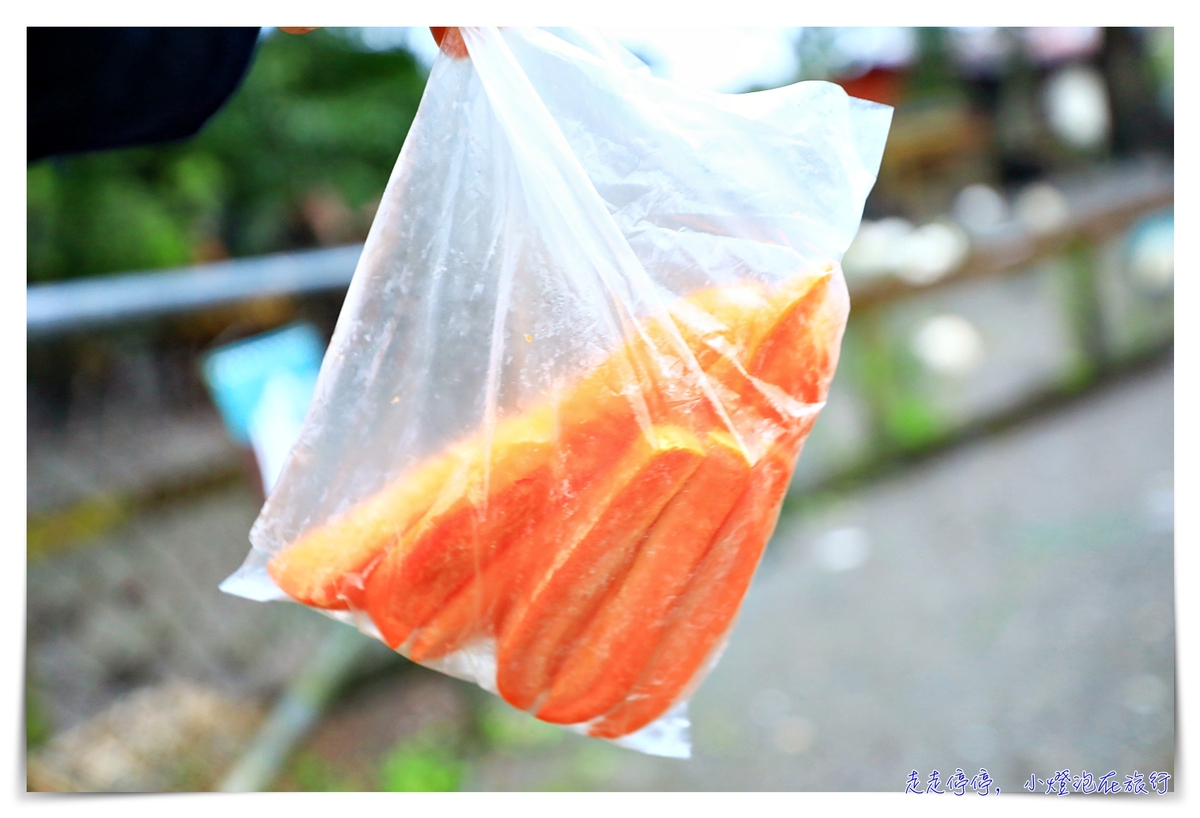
{"x":450,"y":40}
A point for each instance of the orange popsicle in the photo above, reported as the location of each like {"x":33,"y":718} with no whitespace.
{"x":590,"y":552}
{"x":622,"y":635}
{"x":702,"y":616}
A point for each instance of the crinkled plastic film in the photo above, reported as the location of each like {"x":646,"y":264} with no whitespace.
{"x":594,"y":320}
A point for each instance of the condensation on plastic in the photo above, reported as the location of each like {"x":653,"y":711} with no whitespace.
{"x":554,"y":203}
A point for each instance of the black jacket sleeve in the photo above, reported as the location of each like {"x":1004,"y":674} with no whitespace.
{"x":97,"y":88}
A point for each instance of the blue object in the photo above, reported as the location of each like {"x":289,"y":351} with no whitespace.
{"x":238,"y":374}
{"x":1150,"y":253}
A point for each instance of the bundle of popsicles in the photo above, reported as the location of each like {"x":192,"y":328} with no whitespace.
{"x":604,"y":539}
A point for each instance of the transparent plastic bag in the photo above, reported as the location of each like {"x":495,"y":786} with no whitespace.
{"x":594,"y":320}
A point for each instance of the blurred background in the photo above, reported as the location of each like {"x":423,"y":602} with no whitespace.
{"x":973,"y":568}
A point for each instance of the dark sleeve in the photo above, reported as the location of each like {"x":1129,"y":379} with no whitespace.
{"x":97,"y":88}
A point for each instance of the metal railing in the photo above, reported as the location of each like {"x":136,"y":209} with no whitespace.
{"x":106,"y":300}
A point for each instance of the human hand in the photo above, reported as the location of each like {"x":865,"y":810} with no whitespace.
{"x":450,"y":40}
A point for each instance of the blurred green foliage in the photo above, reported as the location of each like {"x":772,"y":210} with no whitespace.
{"x":887,"y":372}
{"x":37,"y":723}
{"x":312,"y":774}
{"x":298,"y":156}
{"x":420,"y":766}
{"x":933,"y":76}
{"x":507,"y":730}
{"x":1162,"y":54}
